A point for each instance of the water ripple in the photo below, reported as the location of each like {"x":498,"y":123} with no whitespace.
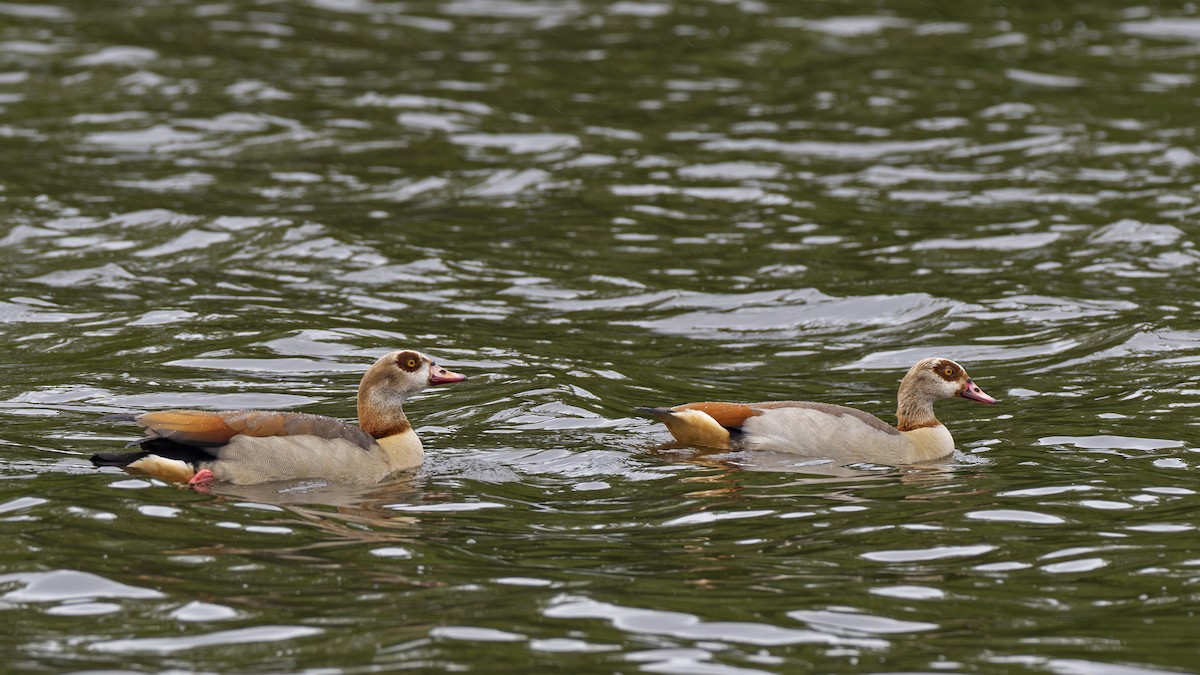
{"x":591,"y":207}
{"x":239,"y":636}
{"x":676,"y":624}
{"x":69,"y":586}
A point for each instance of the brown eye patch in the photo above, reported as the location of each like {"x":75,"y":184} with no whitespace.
{"x":408,"y":361}
{"x":946,"y":370}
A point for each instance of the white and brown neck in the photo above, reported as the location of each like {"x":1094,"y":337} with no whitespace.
{"x":382,"y":416}
{"x":914,"y":412}
{"x":928,"y":438}
{"x":381,"y":395}
{"x":914,"y":405}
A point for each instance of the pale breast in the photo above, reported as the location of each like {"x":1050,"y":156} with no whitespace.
{"x":402,"y":450}
{"x":251,"y":459}
{"x":930,"y":443}
{"x":822,"y":430}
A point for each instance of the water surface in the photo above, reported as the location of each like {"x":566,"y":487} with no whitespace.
{"x":587,"y":207}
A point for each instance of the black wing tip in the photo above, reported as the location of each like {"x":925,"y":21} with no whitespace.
{"x":116,"y":458}
{"x":654,"y":411}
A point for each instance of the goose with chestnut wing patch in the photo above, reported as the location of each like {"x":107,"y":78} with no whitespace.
{"x":258,"y":446}
{"x":844,"y":434}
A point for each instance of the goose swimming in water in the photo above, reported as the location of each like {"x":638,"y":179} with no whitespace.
{"x":257,"y":446}
{"x":844,"y":434}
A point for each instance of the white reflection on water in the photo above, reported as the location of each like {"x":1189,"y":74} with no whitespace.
{"x":846,"y":150}
{"x":570,"y":645}
{"x":1107,"y":442}
{"x":847,"y":622}
{"x":519,"y":143}
{"x":1075,"y":566}
{"x":1008,"y":242}
{"x":926,"y":554}
{"x":847,"y":26}
{"x":1175,"y":27}
{"x":1016,"y":516}
{"x":731,"y":171}
{"x":909,"y":592}
{"x":965,"y":353}
{"x":238,"y":636}
{"x":688,"y":626}
{"x":69,"y":586}
{"x":475,"y":634}
{"x":790,"y":312}
{"x":197,"y":611}
{"x":1075,"y":666}
{"x":1136,"y":233}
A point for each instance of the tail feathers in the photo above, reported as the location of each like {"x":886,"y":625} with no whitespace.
{"x":170,"y":470}
{"x":116,"y":458}
{"x":692,"y":427}
{"x":147,"y":464}
{"x":158,"y":458}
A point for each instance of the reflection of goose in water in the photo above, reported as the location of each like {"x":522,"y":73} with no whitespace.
{"x":805,"y":473}
{"x":842,"y":434}
{"x":257,"y":446}
{"x":345,"y":515}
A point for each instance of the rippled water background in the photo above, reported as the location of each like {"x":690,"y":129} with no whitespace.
{"x":586,"y":207}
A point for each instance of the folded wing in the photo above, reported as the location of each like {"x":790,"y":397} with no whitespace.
{"x":201,"y":428}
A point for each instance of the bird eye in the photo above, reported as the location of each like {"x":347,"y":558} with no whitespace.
{"x":949,"y":372}
{"x":408,"y":361}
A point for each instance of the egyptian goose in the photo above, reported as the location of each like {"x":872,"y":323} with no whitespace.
{"x":256,"y":446}
{"x":825,"y":430}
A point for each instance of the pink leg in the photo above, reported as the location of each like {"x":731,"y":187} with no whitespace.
{"x":202,"y":478}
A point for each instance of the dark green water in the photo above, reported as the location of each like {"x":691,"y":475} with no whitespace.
{"x":587,"y":207}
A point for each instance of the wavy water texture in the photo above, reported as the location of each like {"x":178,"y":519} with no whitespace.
{"x":589,"y":207}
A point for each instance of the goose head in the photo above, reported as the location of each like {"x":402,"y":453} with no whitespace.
{"x":936,"y":379}
{"x":405,"y":372}
{"x":929,"y":381}
{"x":390,"y":381}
